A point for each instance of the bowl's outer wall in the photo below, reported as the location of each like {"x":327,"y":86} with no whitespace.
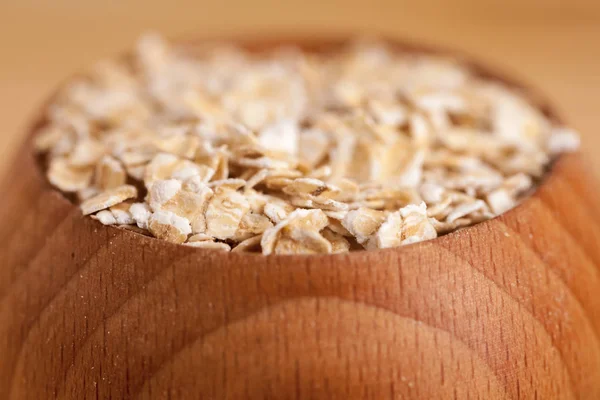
{"x":509,"y":308}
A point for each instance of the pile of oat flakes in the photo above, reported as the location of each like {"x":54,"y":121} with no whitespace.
{"x":288,"y":152}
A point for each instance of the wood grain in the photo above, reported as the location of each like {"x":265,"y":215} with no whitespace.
{"x":506,"y":309}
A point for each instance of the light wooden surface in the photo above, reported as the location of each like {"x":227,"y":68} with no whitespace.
{"x":554,"y":44}
{"x":507,"y":309}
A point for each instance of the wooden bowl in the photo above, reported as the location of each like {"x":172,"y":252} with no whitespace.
{"x":506,"y":309}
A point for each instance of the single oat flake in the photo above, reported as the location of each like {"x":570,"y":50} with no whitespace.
{"x":289,"y":152}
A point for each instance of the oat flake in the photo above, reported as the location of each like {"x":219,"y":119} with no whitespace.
{"x":361,"y":147}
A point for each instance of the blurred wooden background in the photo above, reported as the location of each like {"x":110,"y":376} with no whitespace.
{"x":554,"y":44}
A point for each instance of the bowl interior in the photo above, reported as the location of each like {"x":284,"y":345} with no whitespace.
{"x":258,"y":44}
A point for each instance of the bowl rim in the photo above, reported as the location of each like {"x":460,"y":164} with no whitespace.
{"x":324,"y":43}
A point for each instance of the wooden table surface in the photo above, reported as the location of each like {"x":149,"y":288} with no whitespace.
{"x":554,"y":44}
